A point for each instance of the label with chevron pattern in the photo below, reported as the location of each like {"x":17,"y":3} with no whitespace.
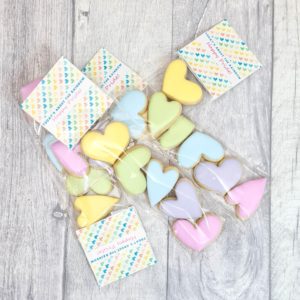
{"x":66,"y":103}
{"x":111,"y":75}
{"x":116,"y":246}
{"x":219,"y":59}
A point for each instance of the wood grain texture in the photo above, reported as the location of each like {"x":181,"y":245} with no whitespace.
{"x":40,"y":257}
{"x":285,"y":221}
{"x":33,"y":35}
{"x":237,"y":265}
{"x":128,"y":30}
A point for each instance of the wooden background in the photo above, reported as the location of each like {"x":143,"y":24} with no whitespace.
{"x":40,"y":257}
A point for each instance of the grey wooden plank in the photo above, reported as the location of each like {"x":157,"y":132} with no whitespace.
{"x":130,"y":30}
{"x":236,"y":266}
{"x":34,"y":34}
{"x":285,"y":217}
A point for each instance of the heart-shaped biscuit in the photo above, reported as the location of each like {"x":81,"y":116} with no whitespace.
{"x":162,"y":113}
{"x":199,"y":235}
{"x":177,"y":133}
{"x":219,"y":178}
{"x":177,"y":87}
{"x":70,"y":160}
{"x":195,"y":147}
{"x":93,"y":208}
{"x":127,"y":169}
{"x":96,"y":180}
{"x":159,"y":181}
{"x":247,"y":197}
{"x":106,"y":147}
{"x":186,"y":206}
{"x":128,"y":110}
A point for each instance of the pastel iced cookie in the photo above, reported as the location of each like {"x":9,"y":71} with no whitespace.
{"x":200,"y":234}
{"x":97,"y":180}
{"x":128,"y":169}
{"x":185,"y":205}
{"x":177,"y":87}
{"x":219,"y":178}
{"x":247,"y":197}
{"x":162,"y":113}
{"x":129,"y":109}
{"x":160,"y":181}
{"x":70,"y":160}
{"x":47,"y":142}
{"x":177,"y":133}
{"x":197,"y":146}
{"x":106,"y":147}
{"x":93,"y":208}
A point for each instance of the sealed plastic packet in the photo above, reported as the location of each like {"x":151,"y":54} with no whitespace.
{"x":170,"y":188}
{"x":63,"y":106}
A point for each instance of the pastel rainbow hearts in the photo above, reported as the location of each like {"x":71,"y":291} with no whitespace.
{"x":160,"y":181}
{"x":93,"y":208}
{"x":185,"y":205}
{"x":219,"y":178}
{"x":128,"y":110}
{"x":128,"y":169}
{"x":247,"y":197}
{"x":106,"y":147}
{"x":196,"y":146}
{"x":177,"y":87}
{"x":199,"y":235}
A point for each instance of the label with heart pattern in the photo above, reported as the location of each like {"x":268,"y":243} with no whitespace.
{"x":116,"y":246}
{"x":219,"y":59}
{"x":66,"y":103}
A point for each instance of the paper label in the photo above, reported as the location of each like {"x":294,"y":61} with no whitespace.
{"x":219,"y":59}
{"x":66,"y":103}
{"x":111,"y":75}
{"x":116,"y":246}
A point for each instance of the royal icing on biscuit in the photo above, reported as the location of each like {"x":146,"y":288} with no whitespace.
{"x":97,"y":180}
{"x":162,"y":113}
{"x":200,"y":234}
{"x":247,"y":197}
{"x":128,"y":169}
{"x":160,"y":181}
{"x":129,"y":110}
{"x":185,"y":205}
{"x":177,"y":87}
{"x":93,"y":208}
{"x":196,"y":146}
{"x":177,"y":133}
{"x":106,"y":147}
{"x":219,"y":178}
{"x":70,"y":160}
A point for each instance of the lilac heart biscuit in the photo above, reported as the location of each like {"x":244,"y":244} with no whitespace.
{"x":219,"y":178}
{"x":186,"y":206}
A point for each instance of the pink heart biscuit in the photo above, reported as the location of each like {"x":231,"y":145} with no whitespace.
{"x":247,"y":197}
{"x":186,"y":206}
{"x":199,"y":235}
{"x":70,"y":160}
{"x":27,"y":89}
{"x":219,"y":178}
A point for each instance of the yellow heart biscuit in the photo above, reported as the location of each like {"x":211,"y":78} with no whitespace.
{"x":176,"y":87}
{"x":162,"y":113}
{"x":127,"y":169}
{"x":93,"y":208}
{"x":106,"y":147}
